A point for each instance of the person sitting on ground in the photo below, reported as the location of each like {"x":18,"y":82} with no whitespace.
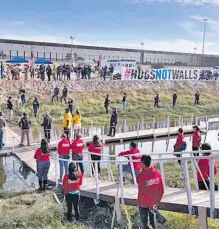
{"x":63,"y":151}
{"x":24,"y":124}
{"x":150,"y":192}
{"x":95,"y":147}
{"x":71,"y":185}
{"x":204,"y":166}
{"x":77,"y":147}
{"x":178,"y":147}
{"x":77,"y":122}
{"x":136,"y":165}
{"x":42,"y":156}
{"x":196,"y":140}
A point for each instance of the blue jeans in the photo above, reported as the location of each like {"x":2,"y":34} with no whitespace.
{"x":63,"y":164}
{"x":127,"y":169}
{"x":42,"y":170}
{"x":76,"y":157}
{"x":1,"y":139}
{"x":147,"y":217}
{"x":123,"y":105}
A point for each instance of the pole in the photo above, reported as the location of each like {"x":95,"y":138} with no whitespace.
{"x":121,"y":182}
{"x":212,"y":191}
{"x":203,"y":46}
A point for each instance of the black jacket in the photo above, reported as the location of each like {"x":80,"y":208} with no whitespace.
{"x":106,"y":103}
{"x":114,"y":118}
{"x":65,"y":92}
{"x":36,"y":105}
{"x":56,"y":91}
{"x":47,"y":122}
{"x":9,"y":105}
{"x":24,"y":124}
{"x":174,"y":97}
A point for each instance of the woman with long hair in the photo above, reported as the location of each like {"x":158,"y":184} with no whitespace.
{"x":42,"y":156}
{"x":96,"y":147}
{"x":77,"y":122}
{"x":71,"y":185}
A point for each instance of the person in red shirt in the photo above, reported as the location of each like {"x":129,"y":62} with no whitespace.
{"x":71,"y":184}
{"x":63,"y":151}
{"x":137,"y":165}
{"x":150,"y":192}
{"x":42,"y":156}
{"x":178,"y":147}
{"x":95,"y":147}
{"x":204,"y":166}
{"x":77,"y":147}
{"x":196,"y":140}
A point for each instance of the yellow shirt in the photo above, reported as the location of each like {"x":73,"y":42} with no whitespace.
{"x":77,"y":119}
{"x":54,"y":69}
{"x":67,"y":117}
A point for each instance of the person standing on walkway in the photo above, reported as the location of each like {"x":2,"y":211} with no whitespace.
{"x":55,"y":94}
{"x":136,"y":165}
{"x":54,"y":72}
{"x":150,"y":192}
{"x":64,"y":94}
{"x":47,"y":126}
{"x":197,"y":97}
{"x":10,"y":109}
{"x":67,"y":122}
{"x":71,"y":105}
{"x":77,"y":123}
{"x":24,"y":124}
{"x":48,"y":72}
{"x":68,"y":72}
{"x":106,"y":103}
{"x":179,"y":145}
{"x":42,"y":156}
{"x":77,"y":147}
{"x":95,"y":147}
{"x":71,"y":184}
{"x":174,"y":99}
{"x":196,"y":140}
{"x":156,"y":101}
{"x":63,"y":151}
{"x":124,"y":101}
{"x":111,"y":70}
{"x":36,"y":107}
{"x":59,"y":70}
{"x":204,"y":166}
{"x":113,"y":123}
{"x":2,"y":126}
{"x":23,"y":96}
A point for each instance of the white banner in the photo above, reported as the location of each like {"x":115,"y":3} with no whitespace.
{"x":160,"y":74}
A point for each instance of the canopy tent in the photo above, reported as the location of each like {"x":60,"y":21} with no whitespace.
{"x":43,"y":61}
{"x":17,"y":60}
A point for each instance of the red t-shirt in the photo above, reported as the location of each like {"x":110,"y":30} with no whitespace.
{"x":196,"y":139}
{"x":179,"y":142}
{"x":64,"y":147}
{"x":137,"y":165}
{"x":77,"y":146}
{"x":93,"y":149}
{"x":204,"y":166}
{"x":40,"y":156}
{"x":150,"y":187}
{"x":70,"y":185}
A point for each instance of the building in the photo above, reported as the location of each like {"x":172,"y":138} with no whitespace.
{"x":62,"y":53}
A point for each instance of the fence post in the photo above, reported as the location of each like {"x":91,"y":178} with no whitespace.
{"x":202,"y":216}
{"x":212,"y":191}
{"x":13,"y":145}
{"x":192,"y":117}
{"x":91,"y":128}
{"x":138,"y":126}
{"x":133,"y":170}
{"x":194,"y":174}
{"x":188,"y":186}
{"x":180,"y":120}
{"x":102,"y":133}
{"x":206,"y":122}
{"x":142,"y":124}
{"x":162,"y":170}
{"x":125,"y":125}
{"x":121,"y":182}
{"x":97,"y":181}
{"x":153,"y":127}
{"x":56,"y":162}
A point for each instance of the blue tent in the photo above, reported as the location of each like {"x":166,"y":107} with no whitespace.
{"x":43,"y":61}
{"x":17,"y":60}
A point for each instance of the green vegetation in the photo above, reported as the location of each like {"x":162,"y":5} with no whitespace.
{"x":139,"y":106}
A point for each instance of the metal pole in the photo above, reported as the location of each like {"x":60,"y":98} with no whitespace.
{"x":133,"y":171}
{"x":194,"y":175}
{"x":212,"y":191}
{"x":121,"y":182}
{"x":97,"y":181}
{"x":56,"y":166}
{"x":162,"y":170}
{"x":125,"y":125}
{"x":138,"y":130}
{"x":188,"y":186}
{"x":154,"y":126}
{"x":203,"y":46}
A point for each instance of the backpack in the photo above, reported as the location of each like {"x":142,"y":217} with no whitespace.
{"x":184,"y":145}
{"x":25,"y":123}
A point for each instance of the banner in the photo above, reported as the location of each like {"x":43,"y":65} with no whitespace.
{"x":160,"y":74}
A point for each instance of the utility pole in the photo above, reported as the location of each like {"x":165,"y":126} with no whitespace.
{"x":203,"y":46}
{"x":72,"y":42}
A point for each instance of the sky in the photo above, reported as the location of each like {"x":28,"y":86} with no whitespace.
{"x":168,"y":25}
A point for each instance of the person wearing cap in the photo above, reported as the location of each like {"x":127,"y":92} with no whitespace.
{"x":77,"y":147}
{"x":67,"y":122}
{"x":174,"y":99}
{"x":204,"y":167}
{"x":150,"y":192}
{"x":113,"y":123}
{"x":196,"y":140}
{"x":47,"y":126}
{"x":63,"y":151}
{"x":2,"y":126}
{"x":77,"y":122}
{"x":132,"y":154}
